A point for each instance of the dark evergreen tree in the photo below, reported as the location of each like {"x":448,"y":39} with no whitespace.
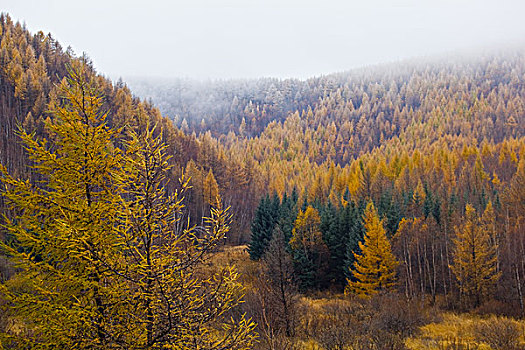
{"x":389,"y":209}
{"x":351,"y":220}
{"x":334,"y":236}
{"x":261,"y":230}
{"x":287,"y":215}
{"x":275,"y":208}
{"x":294,"y":196}
{"x":265,"y":219}
{"x":436,"y":209}
{"x":305,"y":270}
{"x":428,"y":204}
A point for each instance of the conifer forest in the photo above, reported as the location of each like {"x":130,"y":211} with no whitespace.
{"x":378,"y":208}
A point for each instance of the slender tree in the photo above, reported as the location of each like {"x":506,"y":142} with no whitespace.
{"x":475,"y":259}
{"x":171,"y":303}
{"x":277,"y":289}
{"x":211,"y":190}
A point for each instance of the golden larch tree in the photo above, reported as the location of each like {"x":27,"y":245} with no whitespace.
{"x":309,"y":251}
{"x":211,"y":190}
{"x":306,"y":232}
{"x":475,"y":259}
{"x":103,"y":259}
{"x":375,"y":267}
{"x":65,"y":228}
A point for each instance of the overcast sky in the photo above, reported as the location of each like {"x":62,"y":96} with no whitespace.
{"x":277,"y":38}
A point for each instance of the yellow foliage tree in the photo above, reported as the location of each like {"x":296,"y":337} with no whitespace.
{"x":306,"y":232}
{"x":375,"y":268}
{"x":475,"y":259}
{"x":309,"y":251}
{"x":65,"y":229}
{"x":211,"y":190}
{"x":103,"y":261}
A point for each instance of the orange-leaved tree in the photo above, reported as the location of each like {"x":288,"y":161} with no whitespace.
{"x":375,"y":267}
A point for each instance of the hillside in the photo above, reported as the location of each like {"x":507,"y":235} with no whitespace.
{"x":475,"y":87}
{"x":423,"y":140}
{"x":32,"y":65}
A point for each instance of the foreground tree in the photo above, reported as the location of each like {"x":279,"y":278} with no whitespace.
{"x":102,"y":261}
{"x":171,"y":301}
{"x":65,"y":228}
{"x":375,"y":268}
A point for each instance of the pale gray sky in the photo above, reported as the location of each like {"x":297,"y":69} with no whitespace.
{"x":254,"y":38}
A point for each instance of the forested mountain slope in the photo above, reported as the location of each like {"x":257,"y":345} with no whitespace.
{"x":386,"y":99}
{"x":31,"y":66}
{"x":436,"y":145}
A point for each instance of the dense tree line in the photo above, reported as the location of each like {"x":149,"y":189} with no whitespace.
{"x":340,"y":131}
{"x":438,"y":211}
{"x":240,"y":106}
{"x":367,"y":105}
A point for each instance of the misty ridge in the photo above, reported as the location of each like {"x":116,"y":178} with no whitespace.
{"x":221,"y":105}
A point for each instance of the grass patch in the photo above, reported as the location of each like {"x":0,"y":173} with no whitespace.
{"x":465,"y":331}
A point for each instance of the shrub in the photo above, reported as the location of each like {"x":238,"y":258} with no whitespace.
{"x":500,"y":333}
{"x":397,"y":315}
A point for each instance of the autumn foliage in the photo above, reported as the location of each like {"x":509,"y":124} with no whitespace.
{"x":103,"y":258}
{"x":406,"y":178}
{"x":375,"y":266}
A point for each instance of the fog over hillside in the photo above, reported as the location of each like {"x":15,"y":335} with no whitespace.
{"x":221,"y":105}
